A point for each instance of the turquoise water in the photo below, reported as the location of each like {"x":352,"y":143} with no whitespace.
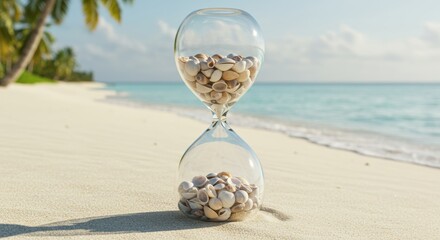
{"x":394,"y":121}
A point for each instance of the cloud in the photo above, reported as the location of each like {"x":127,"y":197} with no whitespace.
{"x":166,"y":29}
{"x":119,"y":39}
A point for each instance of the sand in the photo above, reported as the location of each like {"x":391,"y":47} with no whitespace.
{"x":75,"y":167}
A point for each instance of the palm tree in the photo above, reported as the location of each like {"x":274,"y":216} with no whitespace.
{"x":57,"y":9}
{"x":65,"y":63}
{"x":9,"y":13}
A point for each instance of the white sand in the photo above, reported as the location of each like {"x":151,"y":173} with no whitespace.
{"x":75,"y":167}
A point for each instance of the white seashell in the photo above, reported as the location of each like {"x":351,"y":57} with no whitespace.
{"x":224,"y":174}
{"x":237,"y":58}
{"x":215,"y":180}
{"x":225,"y":98}
{"x":191,"y":193}
{"x":254,"y":60}
{"x":215,"y":203}
{"x":188,"y":77}
{"x":219,"y":86}
{"x":243,"y":76}
{"x":211,"y":62}
{"x":241,"y":196}
{"x":246,"y":84}
{"x":203,"y":65}
{"x":202,"y":89}
{"x":223,"y":214}
{"x":249,"y":63}
{"x":216,"y":75}
{"x":236,"y":181}
{"x":183,"y":207}
{"x":203,"y":197}
{"x":248,"y":205}
{"x":233,"y":89}
{"x":215,"y":95}
{"x":184,"y":186}
{"x":219,"y":186}
{"x":210,"y":190}
{"x":195,"y":204}
{"x":217,"y":57}
{"x":239,"y":66}
{"x":246,"y":188}
{"x":199,"y":181}
{"x":184,"y":59}
{"x":224,"y":64}
{"x":253,"y":70}
{"x":231,"y":55}
{"x":192,"y":67}
{"x":230,"y":188}
{"x":243,"y":180}
{"x":202,"y":79}
{"x":230,"y":75}
{"x":211,"y":175}
{"x":201,"y":56}
{"x":209,"y":213}
{"x":227,"y":198}
{"x":208,"y":72}
{"x":238,"y":208}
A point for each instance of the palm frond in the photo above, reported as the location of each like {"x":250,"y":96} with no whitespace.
{"x":90,"y":9}
{"x":60,"y":10}
{"x":113,"y":8}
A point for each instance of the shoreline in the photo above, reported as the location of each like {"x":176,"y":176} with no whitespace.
{"x":74,"y":166}
{"x":300,"y":130}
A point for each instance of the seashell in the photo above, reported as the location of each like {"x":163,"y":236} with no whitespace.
{"x":243,"y":180}
{"x":249,"y":63}
{"x":239,"y":66}
{"x":215,"y":95}
{"x":224,"y":174}
{"x":214,"y":180}
{"x":219,"y":86}
{"x":230,"y":188}
{"x":211,"y":175}
{"x":192,"y":67}
{"x":254,"y":60}
{"x":194,"y":59}
{"x":246,"y":188}
{"x":253,"y":70}
{"x":197,"y":213}
{"x":246,"y":83}
{"x":223,"y":214}
{"x":219,"y":186}
{"x":201,"y":56}
{"x":184,"y":59}
{"x":210,"y":190}
{"x":224,"y":64}
{"x":243,"y":76}
{"x":202,"y":79}
{"x":225,"y":98}
{"x":231,"y":89}
{"x":248,"y":205}
{"x":241,"y":196}
{"x":215,"y":203}
{"x":254,"y":192}
{"x":202,"y":89}
{"x":217,"y":57}
{"x":183,"y":206}
{"x":188,"y":77}
{"x":236,"y":181}
{"x":184,"y":186}
{"x":191,"y":193}
{"x":238,"y":208}
{"x":240,"y":91}
{"x":203,"y":197}
{"x":208,"y":72}
{"x":227,"y":198}
{"x":216,"y":75}
{"x":230,"y":75}
{"x":237,"y":58}
{"x":231,"y":55}
{"x":211,"y":62}
{"x":199,"y":181}
{"x":209,"y":213}
{"x":195,"y":204}
{"x":203,"y":65}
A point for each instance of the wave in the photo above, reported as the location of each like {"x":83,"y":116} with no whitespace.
{"x":362,"y":142}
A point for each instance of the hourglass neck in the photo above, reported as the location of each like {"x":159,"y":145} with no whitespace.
{"x":220,"y":120}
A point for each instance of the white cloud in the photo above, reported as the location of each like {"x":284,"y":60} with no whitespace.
{"x":166,"y":29}
{"x":118,"y":38}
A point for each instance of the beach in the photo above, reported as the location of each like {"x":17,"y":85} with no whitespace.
{"x":75,"y":166}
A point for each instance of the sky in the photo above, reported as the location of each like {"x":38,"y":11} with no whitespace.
{"x":306,"y":41}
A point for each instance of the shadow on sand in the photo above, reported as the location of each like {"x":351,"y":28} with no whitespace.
{"x":114,"y":224}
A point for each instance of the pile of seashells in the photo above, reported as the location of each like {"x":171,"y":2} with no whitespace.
{"x":218,"y":197}
{"x":218,"y":79}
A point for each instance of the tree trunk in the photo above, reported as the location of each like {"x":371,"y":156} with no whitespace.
{"x":30,"y":46}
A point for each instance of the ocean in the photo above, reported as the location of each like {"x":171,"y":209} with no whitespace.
{"x":394,"y":121}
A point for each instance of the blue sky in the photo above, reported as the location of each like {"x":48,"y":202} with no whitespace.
{"x":306,"y":41}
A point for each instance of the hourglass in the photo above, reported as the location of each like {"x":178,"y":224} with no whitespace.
{"x":218,"y":53}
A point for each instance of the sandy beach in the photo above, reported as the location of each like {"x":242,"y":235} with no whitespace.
{"x":73,"y":166}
